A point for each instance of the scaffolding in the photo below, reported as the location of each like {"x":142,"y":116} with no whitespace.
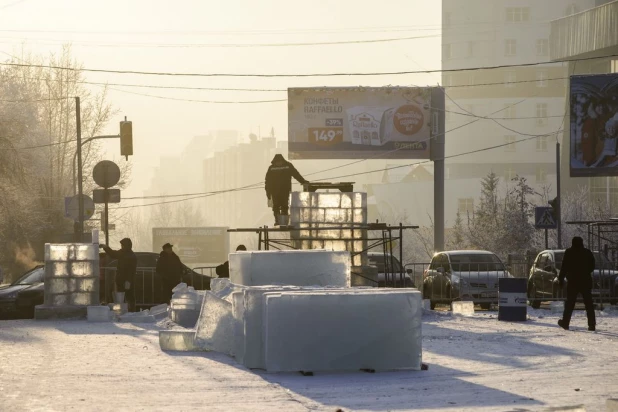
{"x":389,"y":235}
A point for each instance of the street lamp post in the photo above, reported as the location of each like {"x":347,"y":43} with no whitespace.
{"x":79,"y":149}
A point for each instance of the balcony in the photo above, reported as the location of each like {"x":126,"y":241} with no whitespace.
{"x":591,"y":33}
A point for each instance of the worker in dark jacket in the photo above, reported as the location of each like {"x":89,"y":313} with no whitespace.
{"x":126,"y":269}
{"x":577,"y":267}
{"x":223,"y":270}
{"x":279,"y":184}
{"x":169,"y":269}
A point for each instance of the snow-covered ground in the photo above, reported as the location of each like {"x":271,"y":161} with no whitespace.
{"x":475,"y":364}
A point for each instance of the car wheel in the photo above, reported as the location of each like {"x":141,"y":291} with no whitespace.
{"x":432,"y":304}
{"x":485,"y":306}
{"x":534,"y":302}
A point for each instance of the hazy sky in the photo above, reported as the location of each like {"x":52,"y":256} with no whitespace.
{"x":161,"y":36}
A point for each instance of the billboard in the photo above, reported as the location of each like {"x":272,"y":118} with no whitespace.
{"x":194,"y":244}
{"x":594,"y":125}
{"x":360,"y":123}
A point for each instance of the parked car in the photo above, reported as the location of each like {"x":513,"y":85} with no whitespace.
{"x":543,"y":280}
{"x":148,"y":285}
{"x":9,"y":293}
{"x":377,"y":259}
{"x":468,"y":275}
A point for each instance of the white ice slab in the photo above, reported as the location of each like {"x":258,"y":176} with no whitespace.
{"x":99,"y":314}
{"x":463,"y":308}
{"x":291,"y":267}
{"x":215,"y":326}
{"x":177,"y":340}
{"x":331,"y":331}
{"x":217,"y":284}
{"x":238,"y":312}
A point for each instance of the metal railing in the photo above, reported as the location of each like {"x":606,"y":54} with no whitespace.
{"x":148,"y":285}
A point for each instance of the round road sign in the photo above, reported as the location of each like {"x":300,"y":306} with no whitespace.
{"x":73,"y":208}
{"x":106,"y":174}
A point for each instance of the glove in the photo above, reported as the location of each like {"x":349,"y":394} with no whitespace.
{"x":127,"y":285}
{"x":270,"y":202}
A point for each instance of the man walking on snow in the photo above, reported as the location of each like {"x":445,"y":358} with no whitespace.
{"x":577,"y":266}
{"x":279,"y":185}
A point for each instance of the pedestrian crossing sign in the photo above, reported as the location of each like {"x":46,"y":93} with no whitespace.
{"x":544,"y":218}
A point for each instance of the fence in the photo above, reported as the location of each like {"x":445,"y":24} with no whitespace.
{"x":148,"y":285}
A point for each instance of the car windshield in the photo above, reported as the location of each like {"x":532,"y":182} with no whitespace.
{"x":378,"y":261}
{"x":476,"y":262}
{"x":32,"y":277}
{"x":600,"y":261}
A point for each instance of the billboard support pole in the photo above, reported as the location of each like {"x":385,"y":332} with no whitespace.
{"x":437,"y":154}
{"x":558,"y":200}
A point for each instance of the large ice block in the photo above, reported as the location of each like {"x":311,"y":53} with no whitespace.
{"x":291,"y":267}
{"x":177,"y":340}
{"x":330,"y":331}
{"x":238,"y":313}
{"x":215,"y":326}
{"x":464,"y":308}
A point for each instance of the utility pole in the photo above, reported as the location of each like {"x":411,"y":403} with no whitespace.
{"x":558,"y":200}
{"x":78,"y":126}
{"x":437,"y":155}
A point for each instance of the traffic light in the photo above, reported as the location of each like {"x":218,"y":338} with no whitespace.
{"x":126,"y":139}
{"x":554,"y":208}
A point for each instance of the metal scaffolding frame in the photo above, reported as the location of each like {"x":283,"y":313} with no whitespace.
{"x":385,"y":241}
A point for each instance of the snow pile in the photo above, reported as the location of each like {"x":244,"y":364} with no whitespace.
{"x":311,"y":320}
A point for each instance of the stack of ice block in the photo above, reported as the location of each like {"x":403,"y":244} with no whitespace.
{"x":319,"y":210}
{"x":290,"y":267}
{"x":71,"y":280}
{"x":295,"y":327}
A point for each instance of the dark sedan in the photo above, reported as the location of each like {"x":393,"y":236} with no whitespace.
{"x":9,"y":294}
{"x":543,"y":279}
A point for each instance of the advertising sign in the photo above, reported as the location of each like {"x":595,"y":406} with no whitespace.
{"x":346,"y":123}
{"x":594,"y":125}
{"x":208,"y":245}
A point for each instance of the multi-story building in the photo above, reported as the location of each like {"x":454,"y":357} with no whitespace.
{"x":518,"y":106}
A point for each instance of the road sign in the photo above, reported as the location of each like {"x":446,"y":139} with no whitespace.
{"x":106,"y":174}
{"x":106,"y":195}
{"x":71,"y":207}
{"x":544,"y":219}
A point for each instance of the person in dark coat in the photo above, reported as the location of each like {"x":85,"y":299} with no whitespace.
{"x":577,"y":266}
{"x":223,"y":270}
{"x":279,"y":184}
{"x":169,"y":269}
{"x":126,"y":269}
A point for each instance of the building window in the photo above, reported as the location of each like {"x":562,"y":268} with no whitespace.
{"x":446,"y":19}
{"x":447,"y":80}
{"x":542,"y":47}
{"x":541,"y":144}
{"x":510,"y":143}
{"x":509,"y":174}
{"x":541,"y":114}
{"x":471,"y":48}
{"x":572,"y":9}
{"x":541,"y":79}
{"x":448,"y":52}
{"x":541,"y":175}
{"x":509,"y":111}
{"x":517,"y":14}
{"x":465,"y":206}
{"x":510,"y":77}
{"x":510,"y":47}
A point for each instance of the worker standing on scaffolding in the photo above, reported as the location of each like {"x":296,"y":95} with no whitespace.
{"x":279,"y":185}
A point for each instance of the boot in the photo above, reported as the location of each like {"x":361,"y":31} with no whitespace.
{"x":276,"y":219}
{"x":563,"y":325}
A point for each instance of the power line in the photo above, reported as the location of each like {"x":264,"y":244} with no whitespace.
{"x":230,"y":45}
{"x":300,"y":75}
{"x":202,"y":101}
{"x":259,"y":185}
